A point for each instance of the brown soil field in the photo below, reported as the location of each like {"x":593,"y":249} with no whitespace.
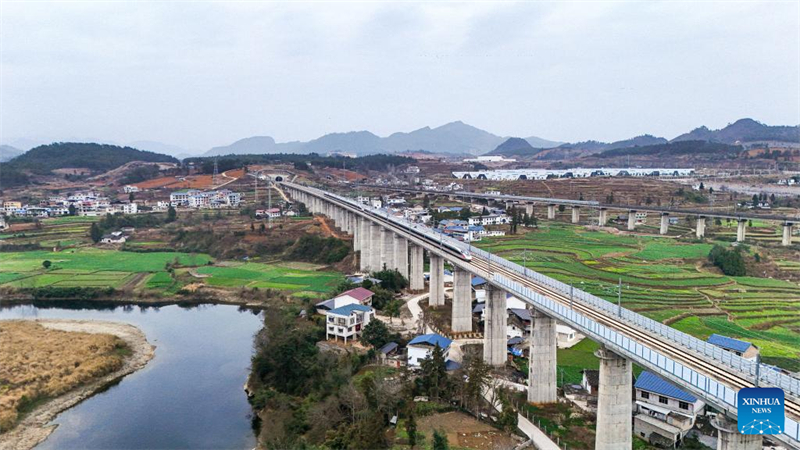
{"x":39,"y":363}
{"x":464,"y":431}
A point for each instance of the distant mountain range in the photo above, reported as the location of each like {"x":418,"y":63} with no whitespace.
{"x":7,"y":152}
{"x":739,"y":132}
{"x":743,"y":130}
{"x":455,"y":138}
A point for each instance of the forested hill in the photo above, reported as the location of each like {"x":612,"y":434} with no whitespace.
{"x":95,"y":157}
{"x":682,"y":148}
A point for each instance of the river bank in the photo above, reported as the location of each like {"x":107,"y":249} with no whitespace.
{"x":35,"y":427}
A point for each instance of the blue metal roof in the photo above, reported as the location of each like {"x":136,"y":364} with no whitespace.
{"x":478,"y":308}
{"x":729,"y":343}
{"x":450,"y":365}
{"x":523,"y":314}
{"x":653,"y":383}
{"x":477,"y":281}
{"x":346,"y":310}
{"x":431,"y":339}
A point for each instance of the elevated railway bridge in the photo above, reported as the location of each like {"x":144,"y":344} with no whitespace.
{"x":626,"y":337}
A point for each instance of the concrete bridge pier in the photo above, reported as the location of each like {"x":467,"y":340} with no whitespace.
{"x":417,"y":275}
{"x":551,"y":212}
{"x":700,"y":229}
{"x":740,"y":230}
{"x":529,"y":209}
{"x":387,"y":249}
{"x":602,"y":217}
{"x":364,"y":245}
{"x":436,"y":283}
{"x":375,"y":244}
{"x":356,"y":232}
{"x":576,"y":214}
{"x":729,"y":438}
{"x":614,"y":402}
{"x":787,"y":234}
{"x":664,"y":223}
{"x":509,"y":205}
{"x":461,"y":320}
{"x":401,"y":255}
{"x":494,"y":332}
{"x":542,"y":366}
{"x":631,"y":220}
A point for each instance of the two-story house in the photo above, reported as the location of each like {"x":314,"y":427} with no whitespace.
{"x":664,"y":413}
{"x":347,"y":321}
{"x":359,"y":295}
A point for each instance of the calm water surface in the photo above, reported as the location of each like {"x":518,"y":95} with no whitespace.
{"x":188,"y":396}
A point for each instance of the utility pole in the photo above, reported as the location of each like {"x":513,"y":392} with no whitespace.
{"x":619,"y":297}
{"x":269,"y":203}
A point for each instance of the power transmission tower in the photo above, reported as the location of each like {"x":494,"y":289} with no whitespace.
{"x":216,"y":174}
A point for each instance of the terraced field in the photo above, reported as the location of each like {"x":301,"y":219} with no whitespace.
{"x":663,"y":278}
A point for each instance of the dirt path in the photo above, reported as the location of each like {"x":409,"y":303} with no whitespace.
{"x":325,"y":227}
{"x":36,"y":427}
{"x":135,"y":280}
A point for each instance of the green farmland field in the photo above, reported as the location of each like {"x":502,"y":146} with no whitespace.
{"x":91,"y":267}
{"x":664,"y":279}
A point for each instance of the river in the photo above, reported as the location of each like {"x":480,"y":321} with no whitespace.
{"x":189,"y":396}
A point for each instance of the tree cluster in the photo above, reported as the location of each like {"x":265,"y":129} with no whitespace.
{"x":731,"y":262}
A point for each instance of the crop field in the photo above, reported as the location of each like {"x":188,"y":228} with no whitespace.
{"x":56,"y":232}
{"x":304,"y":281}
{"x":665,"y":279}
{"x":101,"y":268}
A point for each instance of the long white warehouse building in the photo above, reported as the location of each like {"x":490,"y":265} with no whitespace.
{"x":543,"y":174}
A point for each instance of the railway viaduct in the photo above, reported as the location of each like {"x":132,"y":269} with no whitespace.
{"x":742,"y":218}
{"x":625,"y":337}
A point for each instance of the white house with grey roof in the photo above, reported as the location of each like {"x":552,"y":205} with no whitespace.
{"x":347,"y":321}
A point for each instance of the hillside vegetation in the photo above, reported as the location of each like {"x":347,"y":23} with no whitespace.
{"x":675,"y":149}
{"x":44,"y":159}
{"x":39,"y":363}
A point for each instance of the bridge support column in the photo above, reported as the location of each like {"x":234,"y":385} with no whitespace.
{"x":436,"y":282}
{"x":787,"y":234}
{"x":417,"y":275}
{"x":542,"y":364}
{"x":356,"y":232}
{"x":614,"y":402}
{"x":700,"y":229}
{"x":602,"y":217}
{"x":401,"y":255}
{"x":529,"y":209}
{"x":364,"y":246}
{"x":664,"y":223}
{"x":494,"y":331}
{"x":576,"y":214}
{"x":509,"y":205}
{"x":462,"y":301}
{"x":387,"y":249}
{"x":740,"y":230}
{"x":729,"y":438}
{"x":375,"y":243}
{"x":631,"y":220}
{"x":551,"y":212}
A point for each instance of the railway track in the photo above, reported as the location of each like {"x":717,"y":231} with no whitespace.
{"x":678,"y":353}
{"x":687,"y":358}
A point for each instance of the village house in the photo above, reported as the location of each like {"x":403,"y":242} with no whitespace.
{"x":664,"y":414}
{"x":566,"y":336}
{"x":116,"y":237}
{"x":590,"y":381}
{"x":273,"y":213}
{"x":421,"y":347}
{"x":129,"y":189}
{"x":744,"y":349}
{"x":347,"y":321}
{"x":359,"y":295}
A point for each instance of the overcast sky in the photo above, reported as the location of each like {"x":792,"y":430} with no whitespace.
{"x":202,"y":74}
